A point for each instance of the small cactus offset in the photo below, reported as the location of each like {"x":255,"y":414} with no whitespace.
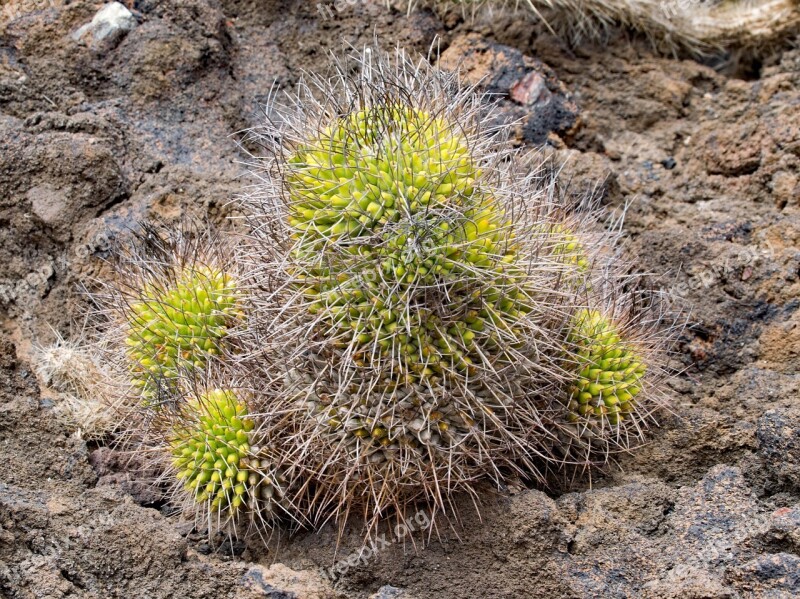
{"x":569,"y":247}
{"x":613,"y":376}
{"x":179,"y":324}
{"x":91,"y":396}
{"x":177,"y":299}
{"x":210,"y":450}
{"x":609,"y":370}
{"x":414,"y":309}
{"x":212,"y":441}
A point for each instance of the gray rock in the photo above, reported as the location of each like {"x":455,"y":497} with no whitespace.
{"x":48,"y":203}
{"x":685,"y":539}
{"x":536,"y":96}
{"x":779,"y":572}
{"x":112,"y":22}
{"x":280,"y":582}
{"x":387,"y":591}
{"x":784,"y":529}
{"x":255,"y":582}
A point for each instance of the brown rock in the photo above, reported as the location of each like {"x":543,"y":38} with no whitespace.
{"x":733,"y":151}
{"x":785,"y":188}
{"x":780,"y":345}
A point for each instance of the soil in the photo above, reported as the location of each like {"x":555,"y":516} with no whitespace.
{"x":98,"y":134}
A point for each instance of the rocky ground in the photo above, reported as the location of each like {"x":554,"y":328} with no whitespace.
{"x":104,"y":125}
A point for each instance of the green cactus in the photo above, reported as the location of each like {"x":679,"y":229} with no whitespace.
{"x":385,"y":210}
{"x":609,"y":370}
{"x":179,"y":325}
{"x":426,"y":329}
{"x":211,"y":449}
{"x":416,"y":293}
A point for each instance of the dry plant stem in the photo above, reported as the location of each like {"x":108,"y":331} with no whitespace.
{"x":674,"y":25}
{"x":92,"y":398}
{"x":683,"y":24}
{"x":748,"y":24}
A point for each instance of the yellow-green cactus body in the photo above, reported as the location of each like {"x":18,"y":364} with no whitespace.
{"x":609,"y":371}
{"x":374,"y":167}
{"x":178,"y":325}
{"x":210,"y":450}
{"x":568,"y":247}
{"x":385,"y":209}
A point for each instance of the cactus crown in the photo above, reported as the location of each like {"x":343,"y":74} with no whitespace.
{"x":374,"y":168}
{"x":179,"y":324}
{"x":210,"y":449}
{"x":390,"y":224}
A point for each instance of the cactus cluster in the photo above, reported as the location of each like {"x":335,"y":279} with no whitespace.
{"x":413,"y":309}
